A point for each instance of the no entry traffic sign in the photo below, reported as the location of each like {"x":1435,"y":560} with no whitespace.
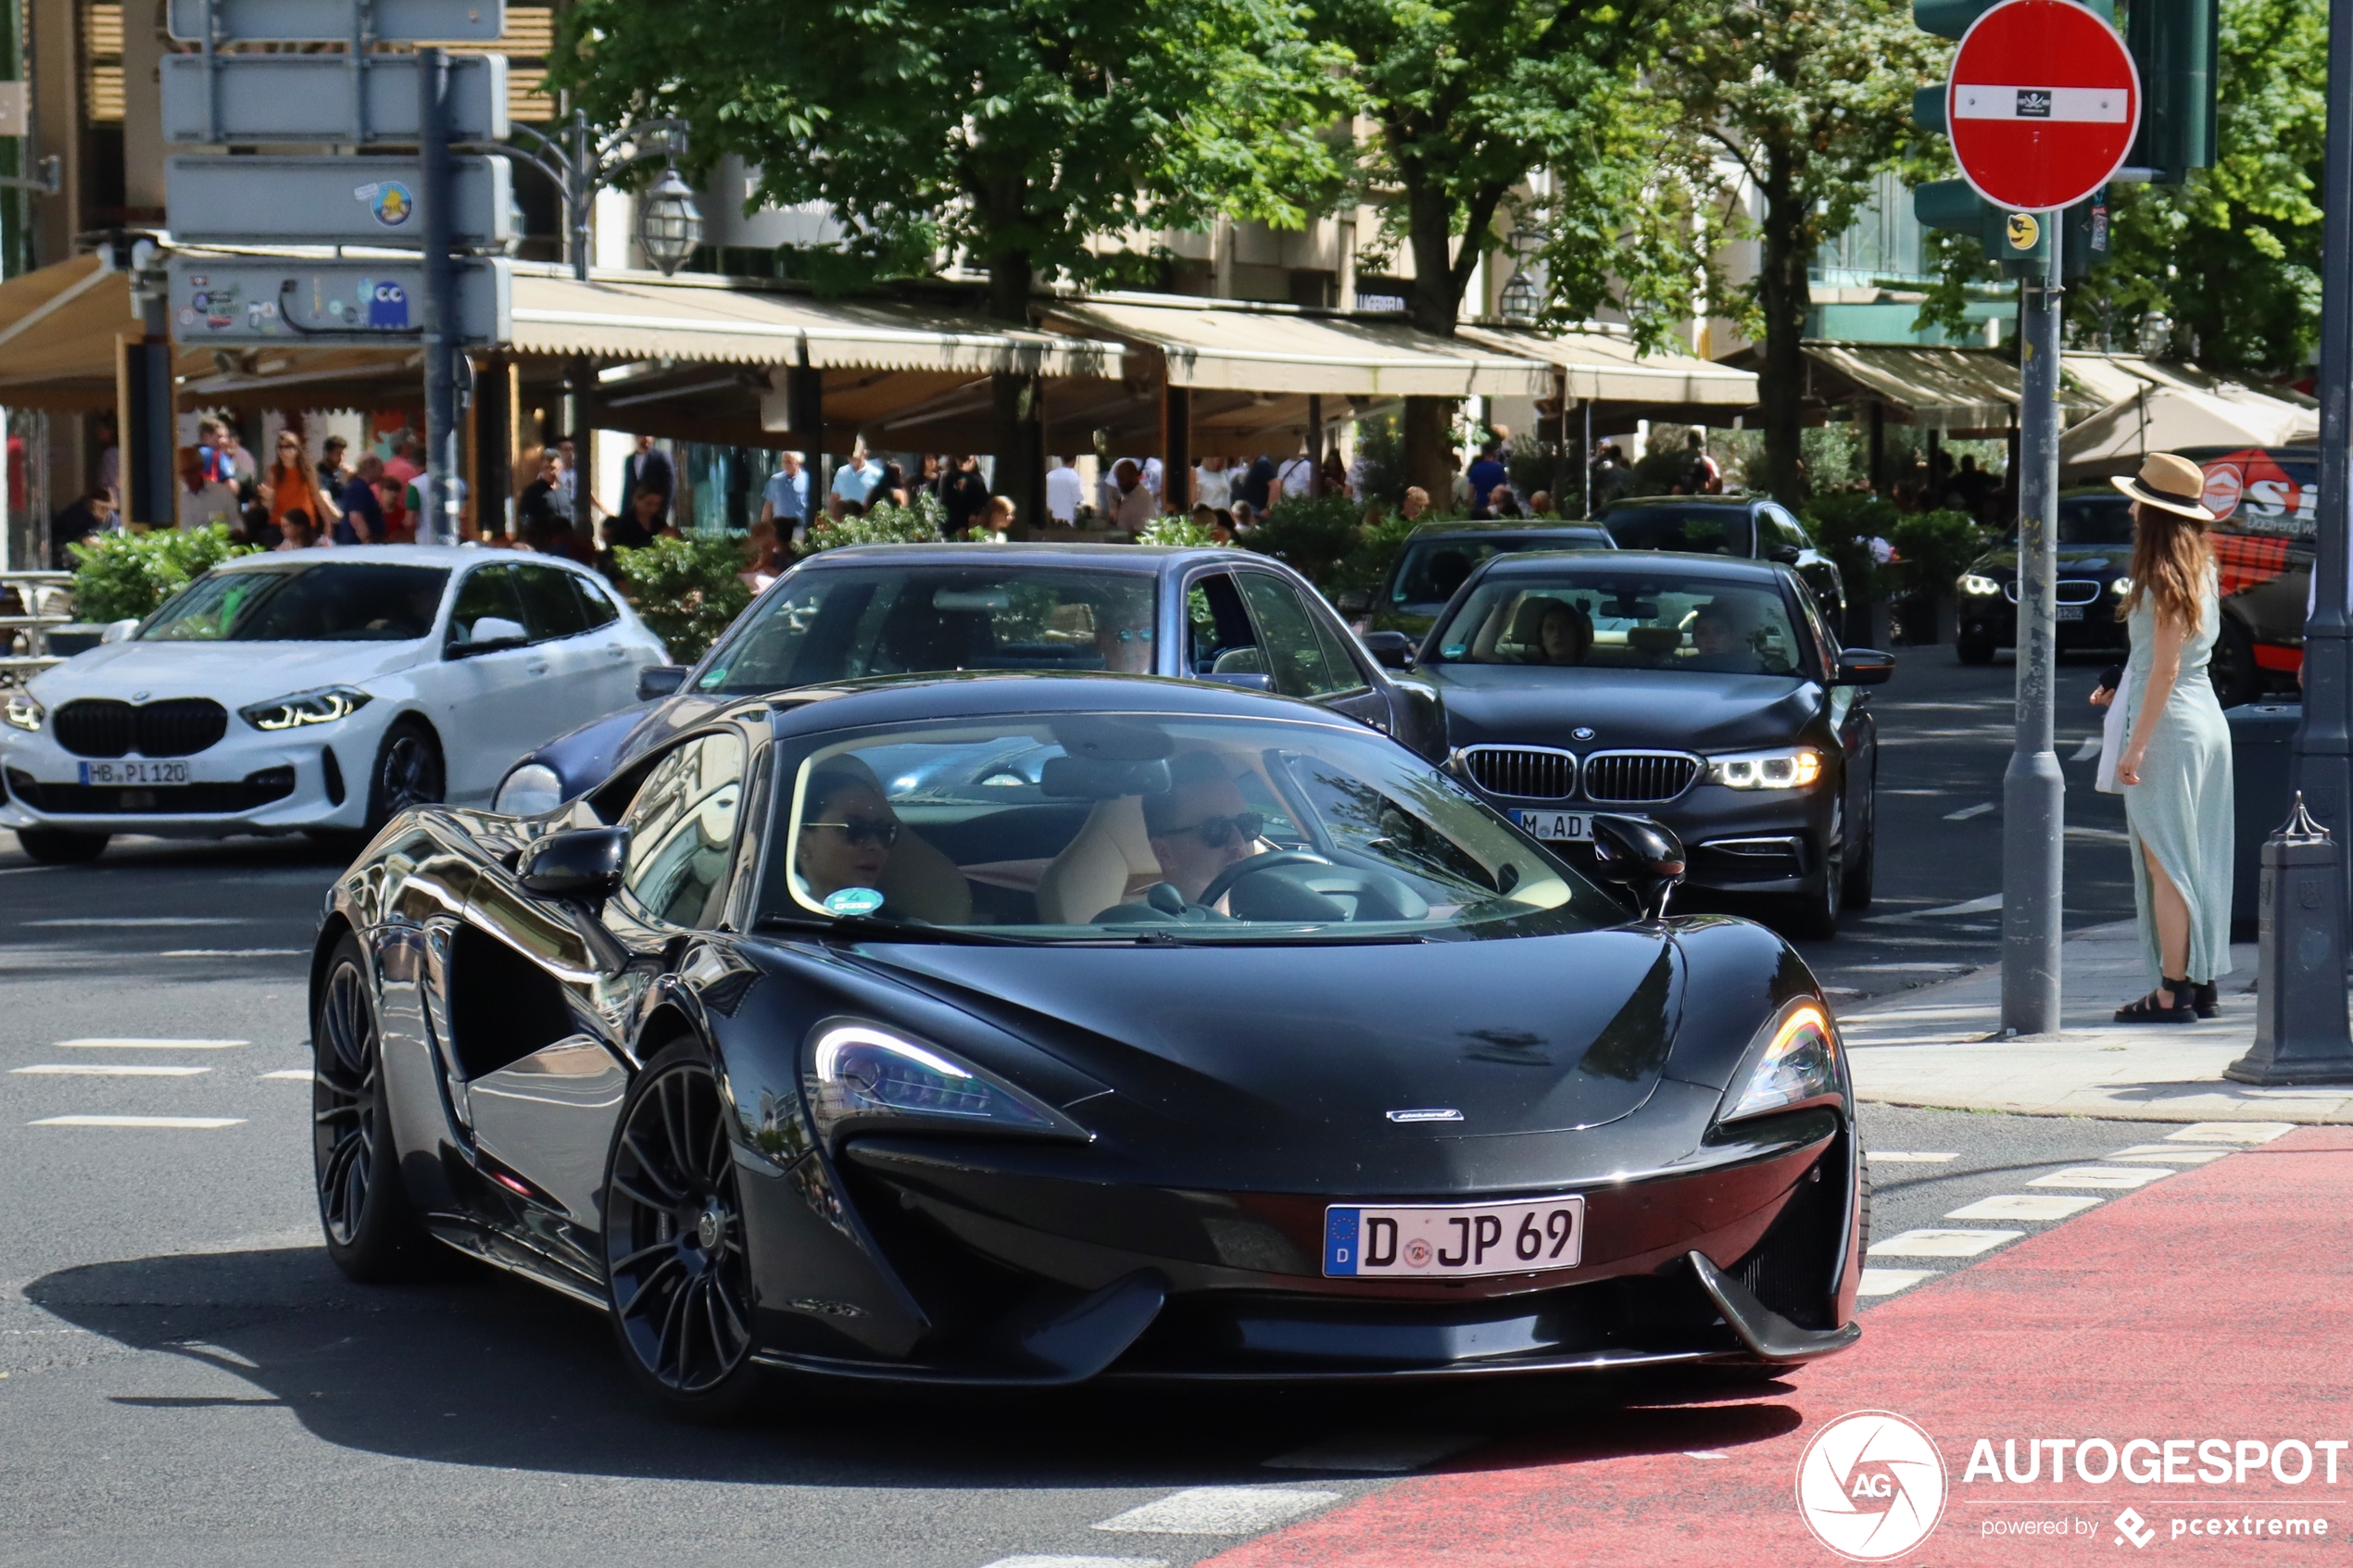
{"x":2043,"y":104}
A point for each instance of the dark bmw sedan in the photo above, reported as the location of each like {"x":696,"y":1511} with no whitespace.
{"x":1230,"y":617}
{"x":1744,"y":527}
{"x":1703,"y":693}
{"x":2094,"y":563}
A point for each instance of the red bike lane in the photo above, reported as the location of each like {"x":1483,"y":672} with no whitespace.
{"x":2216,"y":1305}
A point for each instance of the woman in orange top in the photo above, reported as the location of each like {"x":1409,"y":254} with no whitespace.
{"x":292,"y":485}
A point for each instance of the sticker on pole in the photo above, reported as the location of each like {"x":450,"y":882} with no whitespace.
{"x":2042,"y":106}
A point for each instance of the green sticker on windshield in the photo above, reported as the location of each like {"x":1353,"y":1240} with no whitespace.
{"x":853,"y":901}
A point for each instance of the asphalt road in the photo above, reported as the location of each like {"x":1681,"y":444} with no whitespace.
{"x":183,"y":1377}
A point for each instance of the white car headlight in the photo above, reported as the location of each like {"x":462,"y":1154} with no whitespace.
{"x":531,"y":790}
{"x":855,"y":1073}
{"x":23,"y":710}
{"x":1789,"y":768}
{"x":322,"y":706}
{"x":1799,"y":1063}
{"x":1971,"y":582}
{"x":2122,"y":587}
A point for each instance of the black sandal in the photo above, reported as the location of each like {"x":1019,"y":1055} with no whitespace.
{"x":2206,"y":997}
{"x":2148,"y":1009}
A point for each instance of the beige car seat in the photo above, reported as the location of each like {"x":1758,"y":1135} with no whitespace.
{"x":1094,"y":869}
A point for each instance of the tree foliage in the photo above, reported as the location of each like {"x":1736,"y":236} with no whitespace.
{"x":686,"y":590}
{"x":125,"y":576}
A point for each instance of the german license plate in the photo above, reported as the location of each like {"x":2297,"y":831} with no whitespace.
{"x":1570,"y":826}
{"x":1442,"y":1241}
{"x":134,"y":773}
{"x":2070,"y":612}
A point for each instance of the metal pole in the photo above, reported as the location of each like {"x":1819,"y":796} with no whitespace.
{"x":2303,"y":955}
{"x":2034,"y":791}
{"x":1585,"y":460}
{"x":438,"y":523}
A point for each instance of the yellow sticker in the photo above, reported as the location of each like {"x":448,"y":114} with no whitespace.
{"x":2024,"y":230}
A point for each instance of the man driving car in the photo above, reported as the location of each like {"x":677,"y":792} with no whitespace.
{"x":1203,"y":824}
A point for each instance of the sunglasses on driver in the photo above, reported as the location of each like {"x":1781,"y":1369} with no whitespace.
{"x":1219,"y":832}
{"x":862,"y":831}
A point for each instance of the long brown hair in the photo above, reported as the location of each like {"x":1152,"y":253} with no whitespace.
{"x":2170,"y":559}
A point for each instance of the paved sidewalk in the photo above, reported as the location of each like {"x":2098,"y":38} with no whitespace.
{"x":1928,"y":1047}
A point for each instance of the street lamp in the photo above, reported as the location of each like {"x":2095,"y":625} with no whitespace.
{"x":580,"y":171}
{"x":669,"y":225}
{"x":1521,"y":302}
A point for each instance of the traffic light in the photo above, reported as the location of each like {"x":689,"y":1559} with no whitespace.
{"x":2175,"y":43}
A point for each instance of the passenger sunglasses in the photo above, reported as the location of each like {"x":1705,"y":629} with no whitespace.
{"x":859,"y":831}
{"x":1219,"y":832}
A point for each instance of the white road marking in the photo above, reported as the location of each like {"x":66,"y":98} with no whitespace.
{"x":197,"y":1122}
{"x":1387,"y":1452}
{"x":1705,"y":1453}
{"x":1984,"y":906}
{"x":1079,"y":1562}
{"x":1966,"y":812}
{"x":1907,"y":1157}
{"x":1887,"y":1282}
{"x":144,"y":920}
{"x":1220,"y":1510}
{"x":2171,"y":1155}
{"x":2118,"y":1176}
{"x":2022,"y":1206}
{"x":1893,"y":968}
{"x":231,"y":953}
{"x":108,"y":1070}
{"x":2089,"y":751}
{"x":290,"y":1076}
{"x":1940,"y":1243}
{"x":132,"y":1043}
{"x":2231,"y":1132}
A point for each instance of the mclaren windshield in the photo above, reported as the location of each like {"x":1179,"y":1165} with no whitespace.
{"x":1125,"y":827}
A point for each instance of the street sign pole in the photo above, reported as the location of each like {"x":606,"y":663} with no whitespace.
{"x":2033,"y":790}
{"x":439,"y":521}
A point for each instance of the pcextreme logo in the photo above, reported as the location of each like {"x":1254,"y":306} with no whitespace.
{"x":1871,"y":1485}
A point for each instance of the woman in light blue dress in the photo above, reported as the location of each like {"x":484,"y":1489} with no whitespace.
{"x":2176,"y":766}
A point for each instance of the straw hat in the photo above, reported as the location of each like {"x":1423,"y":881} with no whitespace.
{"x":2175,"y":484}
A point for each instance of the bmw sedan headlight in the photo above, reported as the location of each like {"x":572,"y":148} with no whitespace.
{"x":2122,"y":587}
{"x":1799,"y":1063}
{"x":857,"y":1074}
{"x":1979,"y":585}
{"x":321,"y":706}
{"x":1789,"y":768}
{"x":23,"y":711}
{"x":529,"y":791}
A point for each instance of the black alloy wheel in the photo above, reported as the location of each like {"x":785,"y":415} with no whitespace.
{"x":62,"y":847}
{"x":408,"y":773}
{"x":679,"y":1275}
{"x":1973,"y":650}
{"x":371,"y":1234}
{"x":2237,"y":678}
{"x":1862,"y":848}
{"x":1813,"y":915}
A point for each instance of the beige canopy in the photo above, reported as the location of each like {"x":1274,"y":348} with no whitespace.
{"x":1600,"y":365}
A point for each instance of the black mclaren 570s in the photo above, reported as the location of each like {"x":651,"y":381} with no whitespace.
{"x":1026,"y":1030}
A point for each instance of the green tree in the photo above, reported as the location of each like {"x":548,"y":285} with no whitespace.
{"x":1004,"y":135}
{"x":1808,"y":100}
{"x":1463,"y":102}
{"x":125,"y":575}
{"x":686,"y":590}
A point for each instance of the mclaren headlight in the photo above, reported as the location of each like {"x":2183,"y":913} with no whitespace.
{"x":857,"y":1074}
{"x":1799,"y":1063}
{"x":323,"y":705}
{"x":1793,"y":767}
{"x":529,"y":791}
{"x":22,"y":710}
{"x":1979,"y":585}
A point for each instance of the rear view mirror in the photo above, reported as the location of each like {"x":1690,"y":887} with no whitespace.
{"x":1864,"y":667}
{"x":585,"y":864}
{"x":658,"y":681}
{"x":1101,"y":778}
{"x":1640,"y":855}
{"x":1392,"y":650}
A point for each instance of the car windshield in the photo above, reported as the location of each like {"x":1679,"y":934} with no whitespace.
{"x":1690,"y":531}
{"x":1432,"y":569}
{"x":836,"y":623}
{"x":1631,"y":619}
{"x":1140,"y":827}
{"x":321,"y":602}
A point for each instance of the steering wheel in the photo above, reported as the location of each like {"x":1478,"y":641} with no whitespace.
{"x":1250,"y":863}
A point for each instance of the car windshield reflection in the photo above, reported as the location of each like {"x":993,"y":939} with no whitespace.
{"x":1651,"y":621}
{"x":325,"y":602}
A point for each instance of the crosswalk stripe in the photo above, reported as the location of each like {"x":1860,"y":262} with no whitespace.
{"x":108,"y":1069}
{"x":1220,"y":1510}
{"x":2022,"y":1206}
{"x":2119,"y":1177}
{"x":1888,"y":1282}
{"x":290,"y":1076}
{"x":230,"y":953}
{"x":198,"y":1122}
{"x":1931,"y":1243}
{"x":137,"y":1043}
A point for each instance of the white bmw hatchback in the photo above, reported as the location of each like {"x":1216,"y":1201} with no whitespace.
{"x":317,"y":692}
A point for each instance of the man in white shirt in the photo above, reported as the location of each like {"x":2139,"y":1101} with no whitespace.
{"x":1213,"y":484}
{"x":1296,"y":477}
{"x":1064,"y":492}
{"x":784,"y":500}
{"x":855,"y":480}
{"x":1133,"y":506}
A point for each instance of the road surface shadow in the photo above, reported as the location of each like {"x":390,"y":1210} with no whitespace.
{"x":483,"y":1370}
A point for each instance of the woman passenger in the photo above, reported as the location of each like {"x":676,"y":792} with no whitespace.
{"x":846,"y":830}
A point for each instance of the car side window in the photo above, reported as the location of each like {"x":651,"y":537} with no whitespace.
{"x":551,"y":610}
{"x":596,"y":607}
{"x":1302,"y":663}
{"x":487,"y":593}
{"x":1784,"y":529}
{"x":682,"y":831}
{"x":1219,"y":638}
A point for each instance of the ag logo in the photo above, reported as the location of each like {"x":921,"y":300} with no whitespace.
{"x":2023,"y":231}
{"x":1871,"y":1485}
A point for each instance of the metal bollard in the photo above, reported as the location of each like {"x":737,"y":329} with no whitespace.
{"x":2300,"y":1029}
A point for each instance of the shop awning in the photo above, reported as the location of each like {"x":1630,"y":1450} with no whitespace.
{"x":2167,"y":419}
{"x":57,"y":330}
{"x":728,"y":321}
{"x":1233,"y":345}
{"x":1604,"y":367}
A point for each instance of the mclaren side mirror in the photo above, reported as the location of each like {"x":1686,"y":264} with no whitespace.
{"x":658,"y":681}
{"x":1392,"y":650}
{"x":1640,"y":855}
{"x":584,"y":864}
{"x":1864,"y":667}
